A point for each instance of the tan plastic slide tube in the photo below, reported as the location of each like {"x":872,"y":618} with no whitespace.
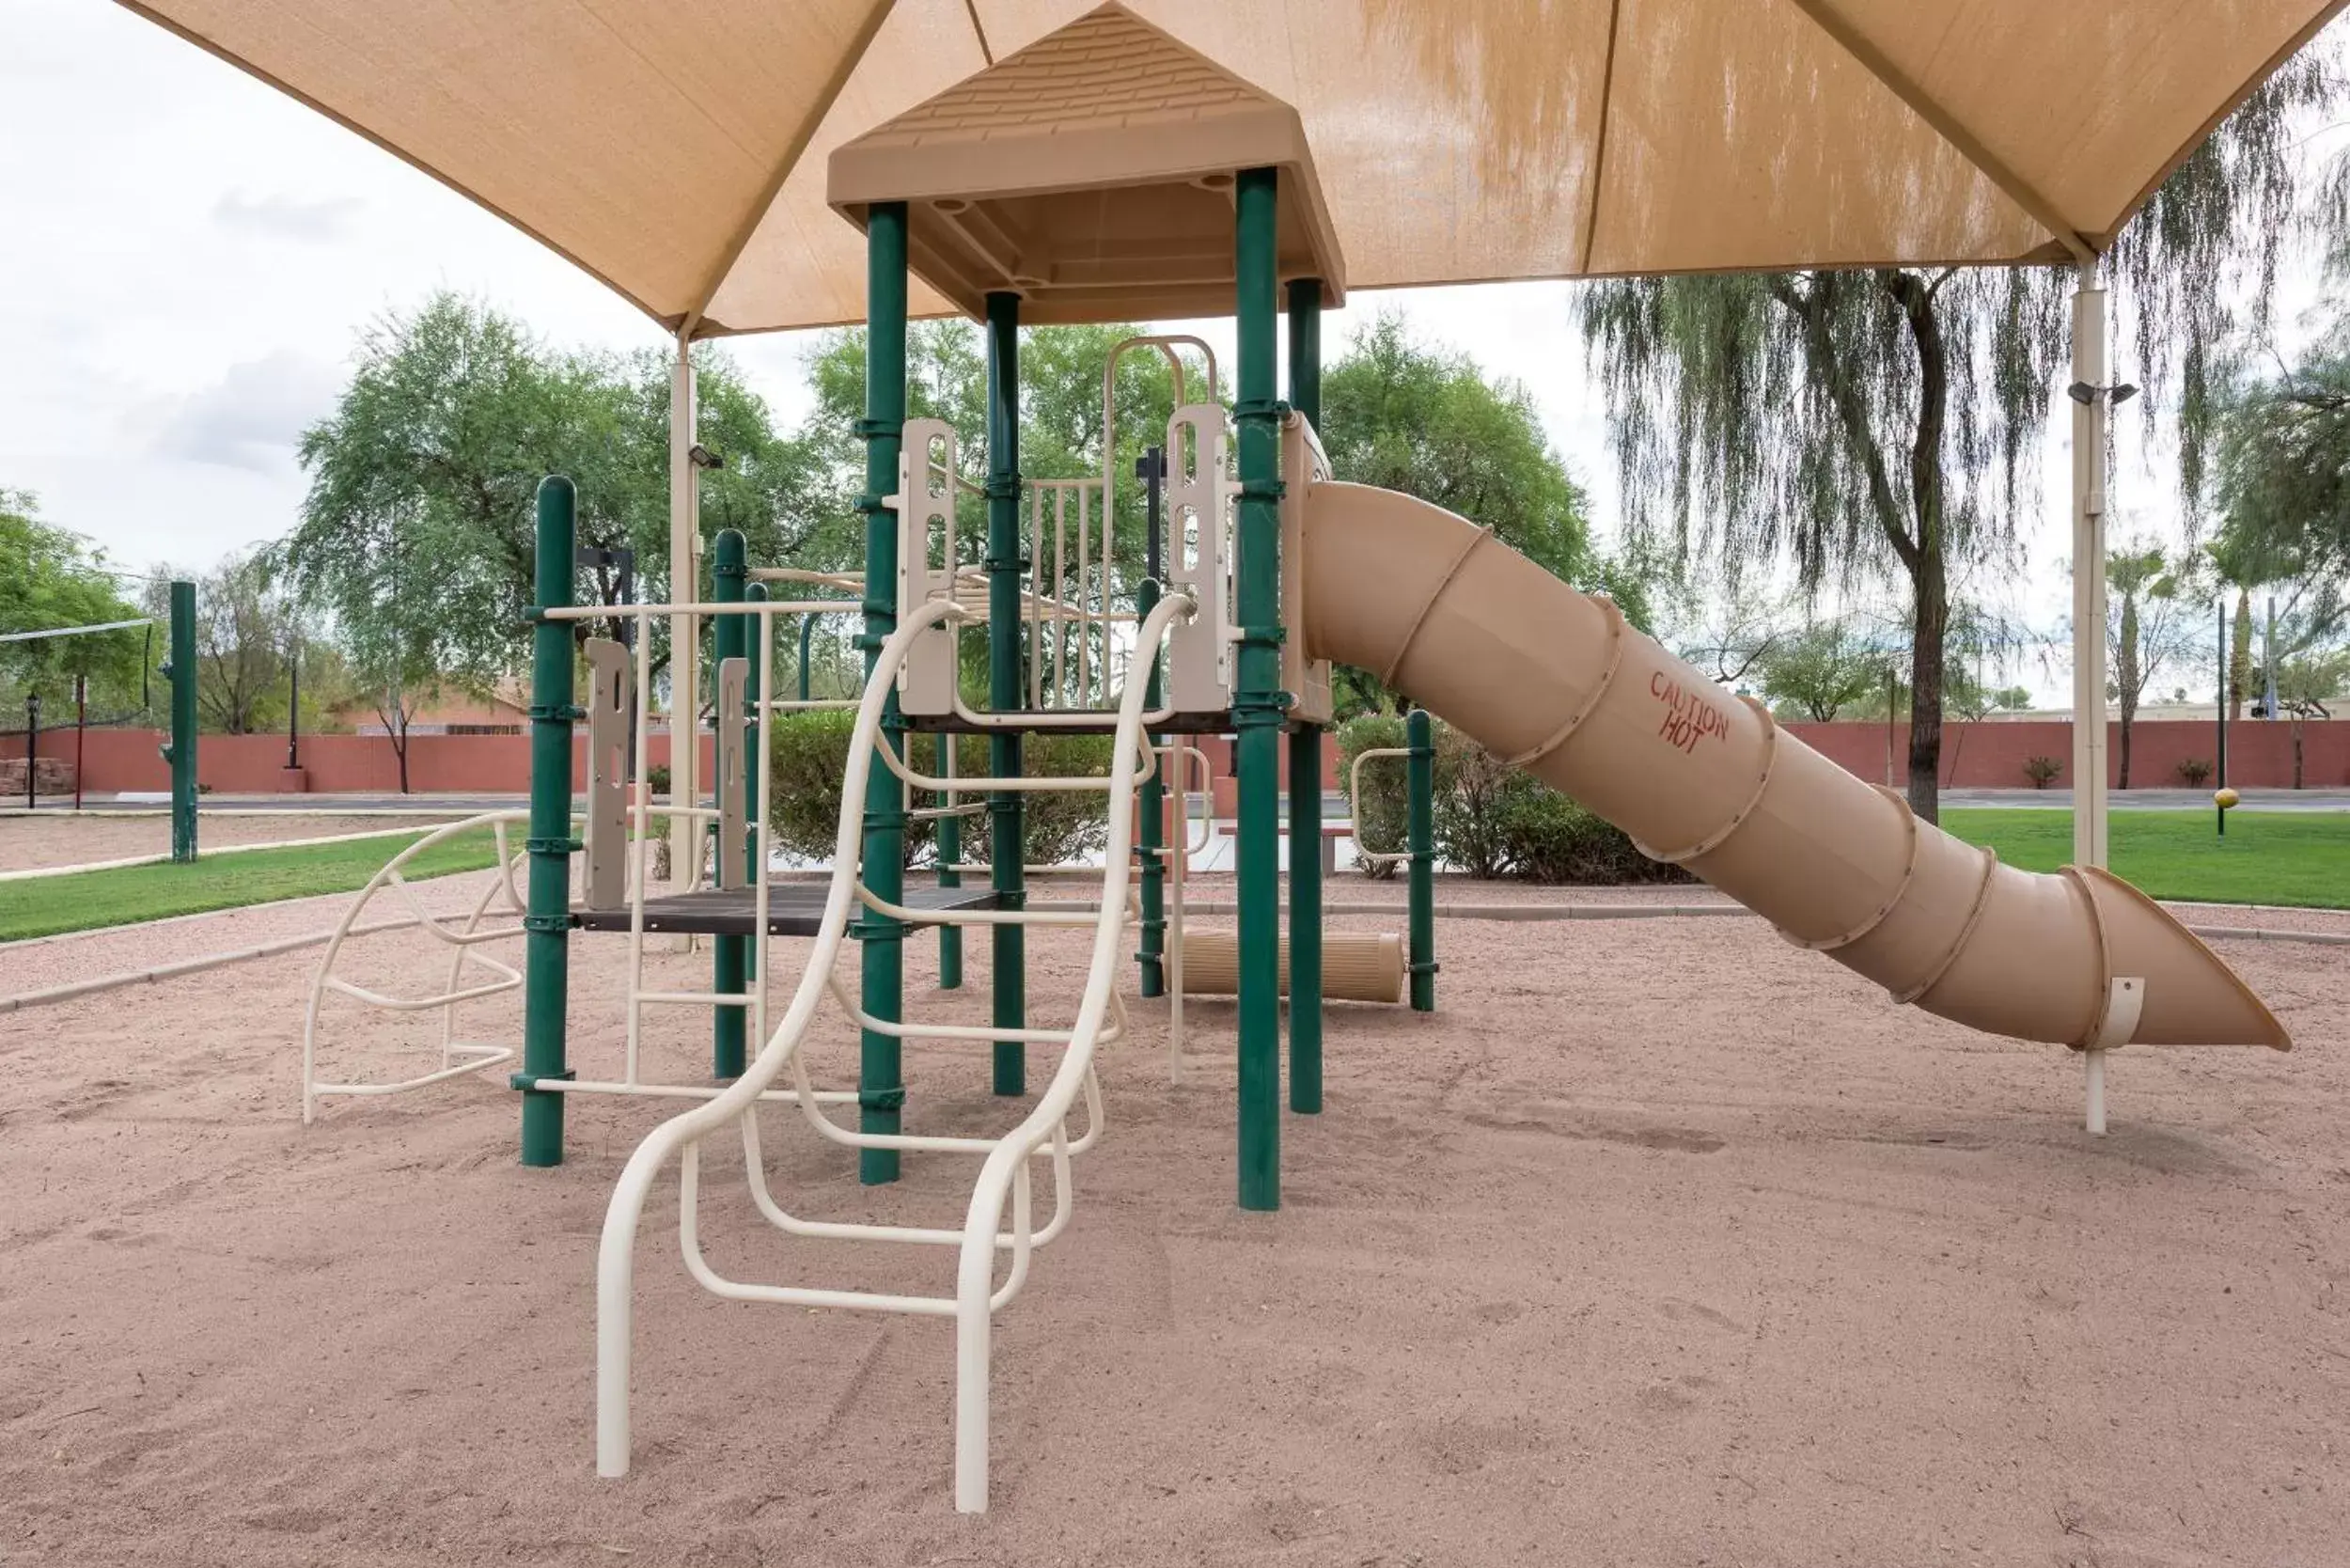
{"x":1557,"y":683}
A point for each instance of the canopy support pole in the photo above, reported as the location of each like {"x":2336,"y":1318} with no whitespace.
{"x":685,"y":831}
{"x":1305,"y":302}
{"x":881,"y":1082}
{"x":1007,"y":844}
{"x":1258,"y":711}
{"x":2089,"y":571}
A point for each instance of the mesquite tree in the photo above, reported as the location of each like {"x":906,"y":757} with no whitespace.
{"x":1886,"y":423}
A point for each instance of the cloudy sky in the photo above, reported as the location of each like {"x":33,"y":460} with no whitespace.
{"x":190,"y":257}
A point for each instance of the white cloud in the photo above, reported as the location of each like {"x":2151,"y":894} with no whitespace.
{"x":252,"y":416}
{"x":287,"y":217}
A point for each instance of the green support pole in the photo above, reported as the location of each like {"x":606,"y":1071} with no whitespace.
{"x":1306,"y":765}
{"x":880,"y":1089}
{"x":1420,"y":781}
{"x":950,"y":852}
{"x":1258,"y":706}
{"x":729,"y":962}
{"x":753,"y":688}
{"x":1150,"y":836}
{"x":547,"y":921}
{"x":180,"y":751}
{"x":1007,"y":853}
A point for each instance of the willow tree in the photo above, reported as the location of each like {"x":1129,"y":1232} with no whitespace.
{"x":1882,"y":425}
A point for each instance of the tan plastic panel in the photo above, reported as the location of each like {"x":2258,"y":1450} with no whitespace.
{"x":1518,"y":659}
{"x":1303,"y":466}
{"x":1356,"y":966}
{"x":1091,"y":173}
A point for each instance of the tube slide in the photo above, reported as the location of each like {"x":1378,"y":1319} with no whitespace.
{"x":1557,"y":683}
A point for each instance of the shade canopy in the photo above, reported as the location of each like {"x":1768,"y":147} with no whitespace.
{"x":679,"y":150}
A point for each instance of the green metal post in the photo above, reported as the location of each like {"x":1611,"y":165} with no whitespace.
{"x":1007,"y":853}
{"x":729,"y":962}
{"x":880,"y":1089}
{"x":1150,"y":836}
{"x":1420,"y":781}
{"x":1306,"y":764}
{"x":950,"y":852}
{"x":181,"y":750}
{"x":547,"y":921}
{"x":1258,"y":703}
{"x":754,"y":689}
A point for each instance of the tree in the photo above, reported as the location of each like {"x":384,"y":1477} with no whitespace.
{"x":1422,"y":419}
{"x":51,"y":577}
{"x":1886,"y":424}
{"x":2306,"y":680}
{"x":1821,"y":669}
{"x":246,"y":628}
{"x":1410,"y":417}
{"x":424,"y":476}
{"x":2152,"y":603}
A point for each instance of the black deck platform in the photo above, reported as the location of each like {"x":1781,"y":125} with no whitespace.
{"x":793,"y":909}
{"x":1216,"y":723}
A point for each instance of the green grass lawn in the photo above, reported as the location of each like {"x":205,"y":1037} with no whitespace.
{"x":44,"y":906}
{"x":2285,"y":857}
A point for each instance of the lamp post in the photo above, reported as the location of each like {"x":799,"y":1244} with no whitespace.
{"x":32,"y":747}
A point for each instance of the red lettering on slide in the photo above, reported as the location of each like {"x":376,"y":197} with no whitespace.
{"x":1689,"y":718}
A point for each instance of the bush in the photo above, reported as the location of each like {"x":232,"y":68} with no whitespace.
{"x":1551,"y":838}
{"x":2196,"y":771}
{"x":1490,"y":821}
{"x":811,"y":754}
{"x":2041,"y":769}
{"x":657,"y":778}
{"x":1382,"y":812}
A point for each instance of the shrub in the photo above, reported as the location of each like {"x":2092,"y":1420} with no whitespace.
{"x":1551,"y":838}
{"x":1470,"y":813}
{"x":811,"y":754}
{"x":1382,"y":811}
{"x":1490,"y":821}
{"x":2196,"y":771}
{"x":2041,"y":769}
{"x":657,"y":778}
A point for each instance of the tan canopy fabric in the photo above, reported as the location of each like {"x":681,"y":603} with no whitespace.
{"x":677,"y":149}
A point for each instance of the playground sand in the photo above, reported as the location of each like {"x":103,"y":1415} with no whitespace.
{"x":28,"y":843}
{"x":1662,"y":1242}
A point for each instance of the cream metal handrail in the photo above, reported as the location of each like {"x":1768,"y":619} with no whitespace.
{"x":1005,"y":1176}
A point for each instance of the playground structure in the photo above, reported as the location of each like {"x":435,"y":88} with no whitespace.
{"x":1016,"y":192}
{"x":1271,"y":571}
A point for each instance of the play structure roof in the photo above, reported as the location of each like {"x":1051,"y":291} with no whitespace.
{"x":1093,"y":173}
{"x":679,"y":151}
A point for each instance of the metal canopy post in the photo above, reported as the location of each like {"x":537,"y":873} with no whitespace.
{"x":1304,"y":301}
{"x":181,"y":752}
{"x":730,"y":960}
{"x":2089,"y":571}
{"x":1420,"y":842}
{"x":547,"y":921}
{"x":1150,"y":830}
{"x":881,"y":1092}
{"x":1007,"y":851}
{"x":1257,"y":704}
{"x":684,"y":629}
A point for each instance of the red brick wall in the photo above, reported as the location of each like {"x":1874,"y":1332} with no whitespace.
{"x":1991,"y":755}
{"x":127,"y":759}
{"x":1977,"y":756}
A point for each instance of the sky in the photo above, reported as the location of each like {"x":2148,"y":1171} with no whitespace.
{"x":191,"y":258}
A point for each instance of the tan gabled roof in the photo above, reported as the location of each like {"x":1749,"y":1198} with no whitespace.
{"x":1091,"y":173}
{"x":677,"y":149}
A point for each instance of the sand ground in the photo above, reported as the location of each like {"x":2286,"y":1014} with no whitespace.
{"x":1661,"y":1242}
{"x":28,"y":843}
